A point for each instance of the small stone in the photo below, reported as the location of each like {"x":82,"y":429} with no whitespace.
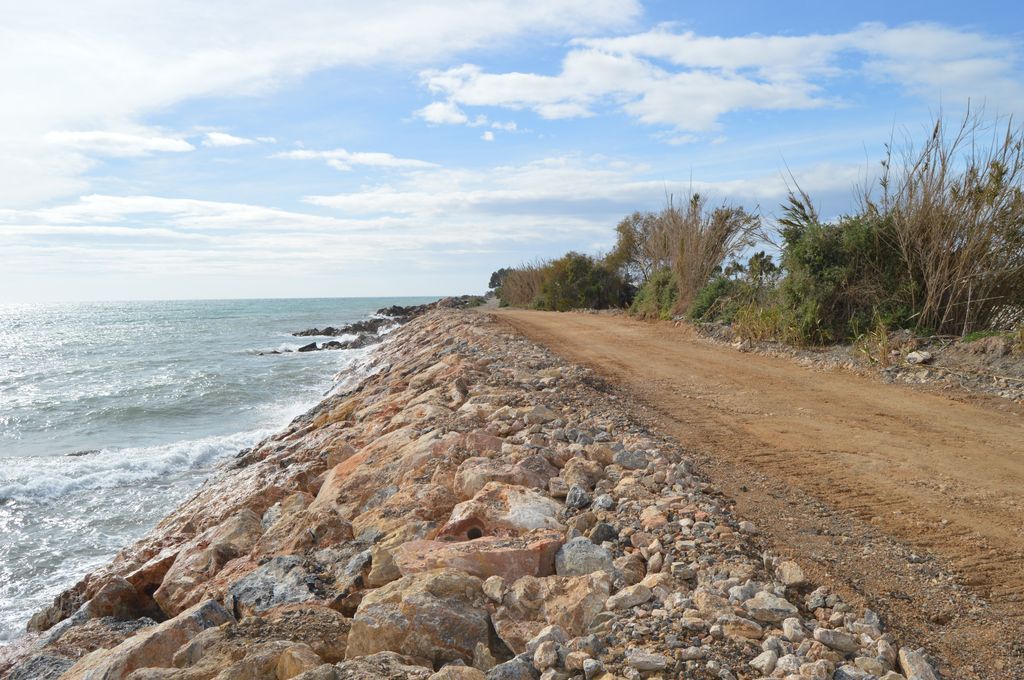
{"x":604,"y":502}
{"x":768,"y":608}
{"x":915,"y":666}
{"x":793,"y":630}
{"x":748,"y":528}
{"x":580,"y":557}
{"x":602,"y":532}
{"x":629,"y":596}
{"x":631,"y":460}
{"x":837,"y":639}
{"x":790,"y":574}
{"x":765,"y":662}
{"x":577,"y":497}
{"x":494,"y":588}
{"x":919,"y":357}
{"x":646,"y":661}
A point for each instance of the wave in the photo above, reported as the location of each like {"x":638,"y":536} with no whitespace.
{"x":41,"y":478}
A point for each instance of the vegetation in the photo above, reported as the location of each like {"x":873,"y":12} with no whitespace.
{"x":658,"y":297}
{"x":935,"y":246}
{"x":573,"y":281}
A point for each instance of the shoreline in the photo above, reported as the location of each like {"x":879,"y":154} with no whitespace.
{"x":476,"y":499}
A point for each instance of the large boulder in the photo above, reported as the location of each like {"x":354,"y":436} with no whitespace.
{"x":281,"y":581}
{"x":511,"y":558}
{"x":437,"y":616}
{"x":531,"y":604}
{"x":151,"y":647}
{"x":504,"y":509}
{"x":201,"y":559}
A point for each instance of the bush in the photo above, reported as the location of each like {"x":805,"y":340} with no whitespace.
{"x":657,"y":298}
{"x":843,"y":278}
{"x":718,"y":301}
{"x":576,"y":281}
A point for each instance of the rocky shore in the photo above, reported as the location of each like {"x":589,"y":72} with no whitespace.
{"x":475,"y":508}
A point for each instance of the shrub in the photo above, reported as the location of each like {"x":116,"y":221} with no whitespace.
{"x":717,"y":301}
{"x":841,"y":278}
{"x":576,"y":281}
{"x":657,"y":298}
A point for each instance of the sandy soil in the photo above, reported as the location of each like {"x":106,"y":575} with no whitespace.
{"x":909,"y":500}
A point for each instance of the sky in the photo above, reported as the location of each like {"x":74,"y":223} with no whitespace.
{"x":179,"y":150}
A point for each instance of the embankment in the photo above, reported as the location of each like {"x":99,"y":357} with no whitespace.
{"x":475,"y":508}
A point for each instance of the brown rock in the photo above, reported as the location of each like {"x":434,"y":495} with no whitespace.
{"x":531,"y":603}
{"x":437,"y":616}
{"x":511,"y":558}
{"x":151,"y":647}
{"x":201,"y":558}
{"x":503,"y":509}
{"x":297,"y":659}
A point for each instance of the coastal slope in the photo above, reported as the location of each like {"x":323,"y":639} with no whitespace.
{"x":475,"y":508}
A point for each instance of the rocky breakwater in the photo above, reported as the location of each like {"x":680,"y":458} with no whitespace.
{"x":476,"y":508}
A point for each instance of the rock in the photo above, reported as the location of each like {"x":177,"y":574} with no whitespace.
{"x":458,"y":673}
{"x":630,"y":596}
{"x":373,"y":667}
{"x":602,"y":532}
{"x":41,"y":667}
{"x":581,"y":556}
{"x":282,"y":580}
{"x":295,"y":660}
{"x":794,"y":630}
{"x":768,"y":608}
{"x":631,"y":460}
{"x":739,"y":627}
{"x":765,"y":662}
{"x":532,"y":554}
{"x":531,"y":604}
{"x":311,"y":347}
{"x":646,"y":661}
{"x":577,"y":497}
{"x":516,"y":669}
{"x":503,"y":509}
{"x":915,"y":666}
{"x":437,"y":615}
{"x":837,"y":639}
{"x":790,"y":574}
{"x":494,"y":588}
{"x":203,"y":557}
{"x":748,"y":528}
{"x":919,"y":357}
{"x":151,"y":647}
{"x":546,"y":655}
{"x":383,"y":569}
{"x":475,"y":473}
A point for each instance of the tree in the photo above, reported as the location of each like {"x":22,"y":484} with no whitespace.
{"x":498,"y":277}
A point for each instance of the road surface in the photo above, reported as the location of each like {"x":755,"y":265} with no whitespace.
{"x":910,"y":501}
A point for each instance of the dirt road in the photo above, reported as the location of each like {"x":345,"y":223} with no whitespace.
{"x":910,"y":501}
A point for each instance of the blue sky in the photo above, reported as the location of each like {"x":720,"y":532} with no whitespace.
{"x":271,"y":149}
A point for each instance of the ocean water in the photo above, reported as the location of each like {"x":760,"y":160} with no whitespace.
{"x":151,"y":396}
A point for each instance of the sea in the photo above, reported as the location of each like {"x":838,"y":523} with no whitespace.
{"x":113,"y":413}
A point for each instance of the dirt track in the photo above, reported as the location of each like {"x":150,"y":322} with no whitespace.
{"x":911,"y":501}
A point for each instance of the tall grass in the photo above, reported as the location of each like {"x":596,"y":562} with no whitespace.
{"x":522,"y":285}
{"x":956,"y":206}
{"x":703,"y":239}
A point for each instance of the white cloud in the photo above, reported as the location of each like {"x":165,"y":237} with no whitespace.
{"x":487,"y":136}
{"x":105,"y":143}
{"x":219,"y":139}
{"x":443,"y":113}
{"x":509,"y":126}
{"x":341,"y":159}
{"x":689,"y":82}
{"x":66,"y":65}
